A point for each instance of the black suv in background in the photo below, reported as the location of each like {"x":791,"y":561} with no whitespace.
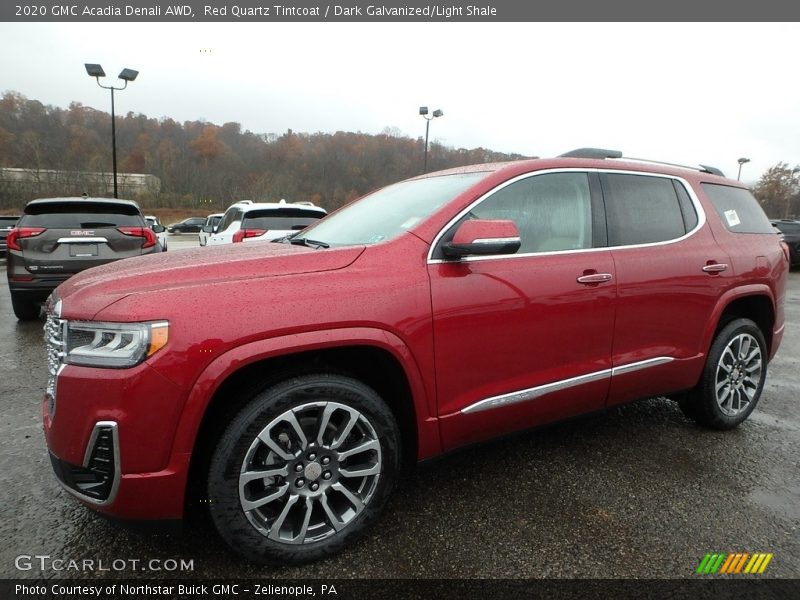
{"x":791,"y":235}
{"x":6,"y":224}
{"x":58,"y":237}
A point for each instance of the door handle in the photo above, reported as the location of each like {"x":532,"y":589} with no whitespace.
{"x":715,"y":268}
{"x":594,"y":278}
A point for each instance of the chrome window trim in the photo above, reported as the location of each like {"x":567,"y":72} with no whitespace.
{"x":701,"y":217}
{"x":112,"y":494}
{"x":542,"y":390}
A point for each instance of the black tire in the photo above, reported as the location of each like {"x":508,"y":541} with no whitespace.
{"x":25,"y":309}
{"x":310,"y":519}
{"x":728,"y":406}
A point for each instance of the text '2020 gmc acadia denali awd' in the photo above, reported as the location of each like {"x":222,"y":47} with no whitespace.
{"x":434,"y":313}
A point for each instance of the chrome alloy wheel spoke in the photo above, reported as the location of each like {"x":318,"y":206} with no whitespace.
{"x":738,"y":374}
{"x":310,"y":472}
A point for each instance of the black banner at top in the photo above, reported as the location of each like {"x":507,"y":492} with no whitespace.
{"x":415,"y":11}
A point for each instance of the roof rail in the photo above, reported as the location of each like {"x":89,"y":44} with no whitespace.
{"x":712,"y":170}
{"x":701,"y":168}
{"x":591,"y":153}
{"x":602,"y":153}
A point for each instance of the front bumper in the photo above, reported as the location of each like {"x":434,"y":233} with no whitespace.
{"x":110,"y":433}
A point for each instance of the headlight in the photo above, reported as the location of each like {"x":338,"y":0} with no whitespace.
{"x":113,"y":345}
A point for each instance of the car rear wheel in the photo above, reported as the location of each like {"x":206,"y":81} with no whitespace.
{"x":24,"y":309}
{"x":732,"y":379}
{"x":303,"y":469}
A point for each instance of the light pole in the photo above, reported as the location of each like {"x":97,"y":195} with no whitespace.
{"x":741,"y":161}
{"x":126,"y":75}
{"x":423,"y":110}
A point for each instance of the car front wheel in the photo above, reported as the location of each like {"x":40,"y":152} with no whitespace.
{"x":303,"y":469}
{"x":732,"y":379}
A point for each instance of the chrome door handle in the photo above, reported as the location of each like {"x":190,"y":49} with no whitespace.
{"x":715,"y":268}
{"x":595,"y":278}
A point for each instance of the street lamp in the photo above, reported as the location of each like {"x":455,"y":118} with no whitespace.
{"x":741,"y":161}
{"x":126,"y":75}
{"x":423,"y":110}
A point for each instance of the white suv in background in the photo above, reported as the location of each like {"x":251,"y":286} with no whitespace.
{"x":211,"y":224}
{"x":264,"y":221}
{"x":161,"y":232}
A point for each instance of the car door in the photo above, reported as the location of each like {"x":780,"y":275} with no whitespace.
{"x":670,"y":273}
{"x":227,"y":227}
{"x":526,"y":338}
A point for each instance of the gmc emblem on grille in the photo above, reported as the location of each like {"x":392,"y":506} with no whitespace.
{"x":82,"y":232}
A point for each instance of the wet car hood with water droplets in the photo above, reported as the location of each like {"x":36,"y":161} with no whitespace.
{"x":87,"y":293}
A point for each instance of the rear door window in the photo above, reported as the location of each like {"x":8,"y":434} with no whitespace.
{"x":642,"y":209}
{"x":231,"y":215}
{"x":737,"y":209}
{"x":82,"y":215}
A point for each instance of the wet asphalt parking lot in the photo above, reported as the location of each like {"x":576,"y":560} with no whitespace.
{"x":639,"y":491}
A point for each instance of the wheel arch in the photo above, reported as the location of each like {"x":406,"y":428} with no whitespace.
{"x":376,"y":357}
{"x":754,"y":302}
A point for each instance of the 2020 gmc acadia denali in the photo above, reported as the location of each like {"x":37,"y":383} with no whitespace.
{"x":434,"y":313}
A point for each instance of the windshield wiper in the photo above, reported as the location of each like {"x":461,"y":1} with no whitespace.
{"x":301,"y":241}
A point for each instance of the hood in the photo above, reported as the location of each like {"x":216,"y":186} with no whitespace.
{"x":86,"y":293}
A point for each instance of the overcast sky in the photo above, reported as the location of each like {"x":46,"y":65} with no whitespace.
{"x":688,"y":93}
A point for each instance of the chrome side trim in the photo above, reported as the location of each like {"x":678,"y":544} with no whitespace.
{"x":88,"y":456}
{"x":503,"y":240}
{"x":548,"y":388}
{"x":701,"y":217}
{"x":642,"y":364}
{"x":82,"y":240}
{"x":534,"y":392}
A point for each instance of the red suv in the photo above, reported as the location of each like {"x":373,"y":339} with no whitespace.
{"x":434,"y":313}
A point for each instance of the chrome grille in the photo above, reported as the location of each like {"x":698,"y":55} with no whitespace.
{"x":54,"y":340}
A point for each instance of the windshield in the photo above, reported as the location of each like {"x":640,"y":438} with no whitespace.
{"x":390,"y":211}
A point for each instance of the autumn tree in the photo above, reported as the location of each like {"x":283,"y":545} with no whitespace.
{"x":777,"y":191}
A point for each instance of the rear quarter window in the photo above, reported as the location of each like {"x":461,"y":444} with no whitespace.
{"x":737,"y":209}
{"x":84,"y":215}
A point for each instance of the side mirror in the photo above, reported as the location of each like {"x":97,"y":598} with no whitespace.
{"x":158,"y":228}
{"x":483,"y":237}
{"x":208,"y":229}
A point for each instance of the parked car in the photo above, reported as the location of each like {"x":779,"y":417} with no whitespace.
{"x":791,"y":235}
{"x":209,"y":227}
{"x":434,"y":313}
{"x":161,"y":232}
{"x":6,"y":224}
{"x":58,"y":237}
{"x":264,"y":221}
{"x":190,"y":225}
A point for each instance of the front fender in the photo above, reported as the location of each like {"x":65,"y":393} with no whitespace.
{"x":237,"y":358}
